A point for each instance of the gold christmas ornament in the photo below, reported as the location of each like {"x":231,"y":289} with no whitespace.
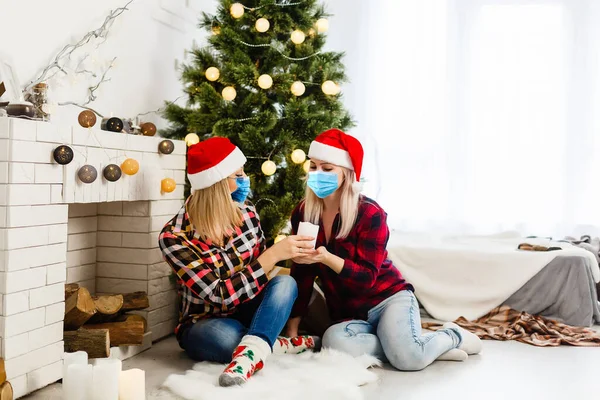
{"x":298,"y":88}
{"x":298,"y":156}
{"x":212,"y":74}
{"x":322,"y":25}
{"x":298,"y":37}
{"x":216,"y":30}
{"x":236,"y":10}
{"x":268,"y":168}
{"x":330,"y":88}
{"x":168,"y":185}
{"x":262,"y":25}
{"x":312,"y":32}
{"x":229,"y":93}
{"x":279,"y":238}
{"x":191,"y":139}
{"x":265,"y":81}
{"x":306,"y":166}
{"x":130,"y":166}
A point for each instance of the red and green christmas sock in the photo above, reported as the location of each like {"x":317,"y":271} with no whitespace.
{"x":248,"y":358}
{"x":295,"y":345}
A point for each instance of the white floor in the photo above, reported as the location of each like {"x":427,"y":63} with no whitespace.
{"x":503,"y":370}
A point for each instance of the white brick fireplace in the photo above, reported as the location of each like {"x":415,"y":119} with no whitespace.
{"x":55,"y":229}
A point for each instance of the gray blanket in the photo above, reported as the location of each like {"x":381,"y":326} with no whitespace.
{"x":563,"y":290}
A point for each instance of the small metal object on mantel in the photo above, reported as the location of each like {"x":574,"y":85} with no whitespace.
{"x":21,"y":110}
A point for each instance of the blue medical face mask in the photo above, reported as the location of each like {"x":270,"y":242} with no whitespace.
{"x":243,"y":189}
{"x":322,"y":183}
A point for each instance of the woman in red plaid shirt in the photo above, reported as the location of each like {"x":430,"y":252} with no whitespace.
{"x":231,"y":312}
{"x":374,"y":308}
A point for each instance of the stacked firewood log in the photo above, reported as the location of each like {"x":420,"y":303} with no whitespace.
{"x":94,"y":324}
{"x":6,"y":390}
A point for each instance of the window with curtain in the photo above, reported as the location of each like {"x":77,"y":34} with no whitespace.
{"x":480,"y":115}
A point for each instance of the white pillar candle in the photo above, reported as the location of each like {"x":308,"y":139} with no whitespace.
{"x":79,"y":358}
{"x":78,"y":383}
{"x":132,"y":385}
{"x":105,"y":384}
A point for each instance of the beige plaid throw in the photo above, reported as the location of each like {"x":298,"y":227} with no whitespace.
{"x":504,"y":323}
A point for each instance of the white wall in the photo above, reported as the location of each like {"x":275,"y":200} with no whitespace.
{"x":146,"y":41}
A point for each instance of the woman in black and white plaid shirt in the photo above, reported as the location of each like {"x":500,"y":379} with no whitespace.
{"x":216,"y":247}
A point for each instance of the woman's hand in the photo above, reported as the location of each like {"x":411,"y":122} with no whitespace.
{"x":323,"y":256}
{"x":303,"y":260}
{"x":292,"y":247}
{"x":320,"y":255}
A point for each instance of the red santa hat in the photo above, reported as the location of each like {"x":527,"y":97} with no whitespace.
{"x":211,"y":161}
{"x":338,"y":148}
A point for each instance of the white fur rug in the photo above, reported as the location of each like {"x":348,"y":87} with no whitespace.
{"x":328,"y":374}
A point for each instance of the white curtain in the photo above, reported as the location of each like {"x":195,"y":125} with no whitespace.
{"x":482,"y":116}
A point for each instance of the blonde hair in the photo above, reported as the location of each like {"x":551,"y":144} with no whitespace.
{"x":212,"y":212}
{"x":350,"y":194}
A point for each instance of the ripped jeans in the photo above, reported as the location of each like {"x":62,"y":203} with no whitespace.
{"x":392,"y":333}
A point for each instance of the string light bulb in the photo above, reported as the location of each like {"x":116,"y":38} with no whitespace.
{"x":298,"y":156}
{"x":262,"y":25}
{"x":166,"y":146}
{"x":63,"y":154}
{"x":86,"y":118}
{"x":236,"y":10}
{"x":298,"y":88}
{"x":265,"y":81}
{"x":279,"y":238}
{"x":87,"y":173}
{"x":322,"y":25}
{"x":298,"y":37}
{"x":148,"y":129}
{"x":229,"y":93}
{"x":112,"y":172}
{"x":212,"y":73}
{"x":130,"y":166}
{"x":268,"y":168}
{"x":306,"y":166}
{"x":168,"y":185}
{"x":191,"y":139}
{"x":330,"y":88}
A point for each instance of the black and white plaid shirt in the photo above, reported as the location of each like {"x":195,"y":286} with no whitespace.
{"x":214,"y":280}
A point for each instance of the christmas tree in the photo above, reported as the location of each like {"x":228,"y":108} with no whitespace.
{"x":264,"y":82}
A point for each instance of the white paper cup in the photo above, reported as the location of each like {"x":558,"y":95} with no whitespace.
{"x":308,"y":229}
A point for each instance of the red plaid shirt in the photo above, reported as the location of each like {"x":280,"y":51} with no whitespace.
{"x":368,"y":276}
{"x":214,"y":280}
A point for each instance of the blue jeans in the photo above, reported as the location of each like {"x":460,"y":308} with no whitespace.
{"x":264,"y":316}
{"x":392,"y":333}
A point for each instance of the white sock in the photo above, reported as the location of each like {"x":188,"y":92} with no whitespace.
{"x":453,"y":355}
{"x":249,"y":357}
{"x":471,"y":343}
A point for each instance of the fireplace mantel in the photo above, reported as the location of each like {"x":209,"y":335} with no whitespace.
{"x":50,"y":222}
